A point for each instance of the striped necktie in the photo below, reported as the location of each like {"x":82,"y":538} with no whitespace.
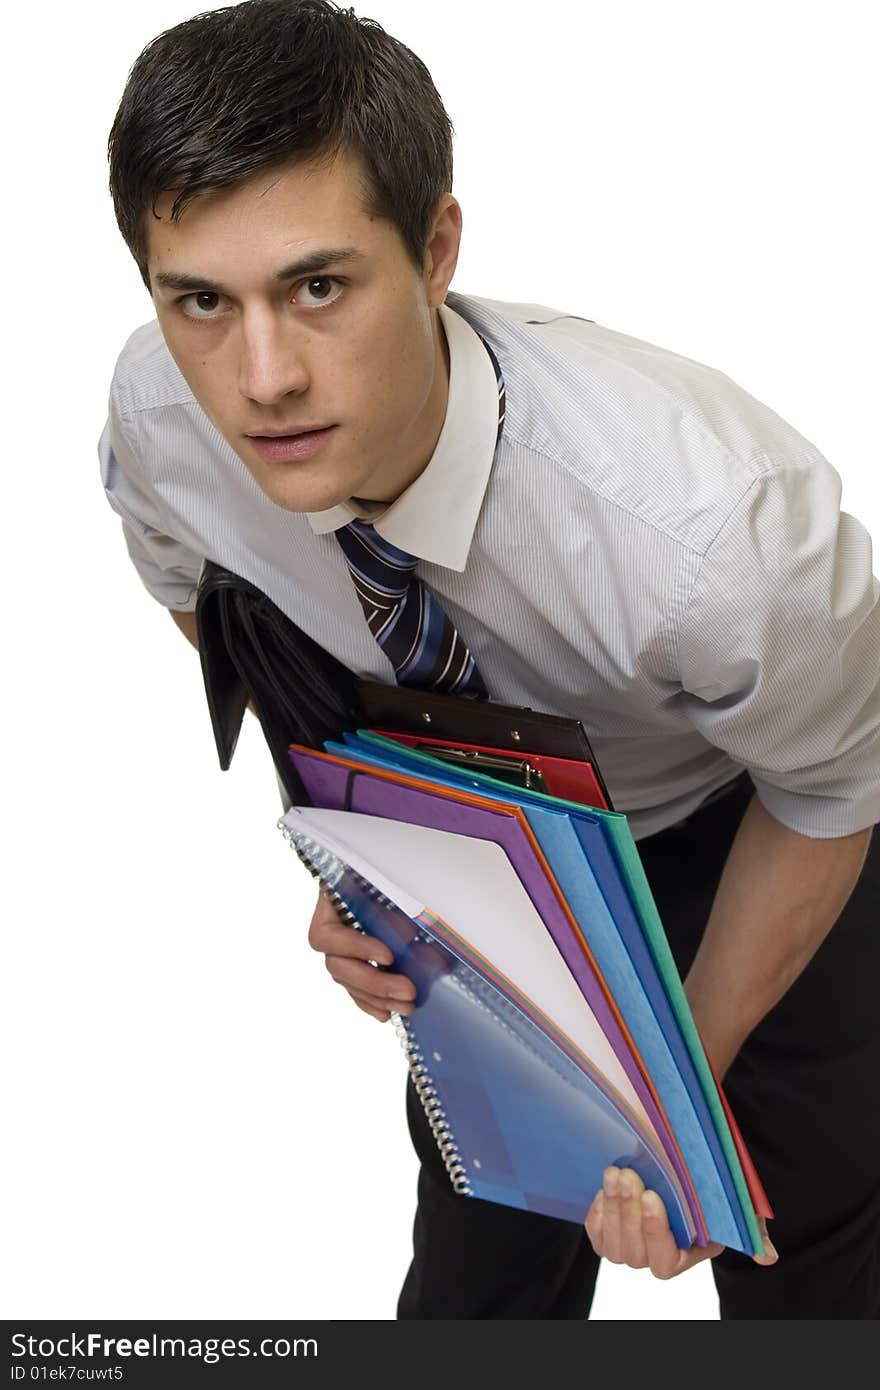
{"x":403,"y":614}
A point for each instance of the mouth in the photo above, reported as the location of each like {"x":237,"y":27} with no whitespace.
{"x":280,"y":448}
{"x":288,"y":434}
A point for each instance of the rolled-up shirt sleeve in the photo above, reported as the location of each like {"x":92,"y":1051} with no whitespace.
{"x":779,"y":650}
{"x":168,"y":569}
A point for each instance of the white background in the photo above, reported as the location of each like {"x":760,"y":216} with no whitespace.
{"x":201,"y":1124}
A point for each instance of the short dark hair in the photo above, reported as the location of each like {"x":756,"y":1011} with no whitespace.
{"x":256,"y":85}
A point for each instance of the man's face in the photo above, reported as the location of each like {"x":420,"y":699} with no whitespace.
{"x":354,"y":343}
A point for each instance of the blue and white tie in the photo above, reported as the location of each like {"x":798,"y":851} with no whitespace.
{"x":403,"y":614}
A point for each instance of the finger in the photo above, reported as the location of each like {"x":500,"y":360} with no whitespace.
{"x":327,"y":929}
{"x":663,"y":1255}
{"x":330,"y":935}
{"x":612,"y":1240}
{"x":356,"y":974}
{"x":326,"y":911}
{"x":325,"y":903}
{"x":381,"y":1014}
{"x":379,"y":1001}
{"x":630,"y":1188}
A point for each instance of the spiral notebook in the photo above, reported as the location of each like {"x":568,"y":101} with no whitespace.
{"x":519,"y":1114}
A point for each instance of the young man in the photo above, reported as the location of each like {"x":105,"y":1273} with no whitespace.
{"x":615,"y":533}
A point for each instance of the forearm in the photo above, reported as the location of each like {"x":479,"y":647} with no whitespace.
{"x":779,"y":895}
{"x":187,"y":624}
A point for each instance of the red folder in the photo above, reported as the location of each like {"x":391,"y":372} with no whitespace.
{"x":564,"y":777}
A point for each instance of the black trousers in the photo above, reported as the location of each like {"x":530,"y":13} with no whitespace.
{"x":805,"y":1089}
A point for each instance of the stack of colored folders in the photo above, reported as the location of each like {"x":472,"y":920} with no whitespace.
{"x":551,"y":1035}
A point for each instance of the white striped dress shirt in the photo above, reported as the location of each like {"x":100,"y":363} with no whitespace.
{"x":649,"y":549}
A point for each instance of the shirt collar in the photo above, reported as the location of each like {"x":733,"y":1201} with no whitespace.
{"x":434,"y":518}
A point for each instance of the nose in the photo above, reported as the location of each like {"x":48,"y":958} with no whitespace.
{"x":274,"y":359}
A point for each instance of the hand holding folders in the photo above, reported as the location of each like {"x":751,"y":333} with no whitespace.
{"x":627,"y":1224}
{"x":348,"y":956}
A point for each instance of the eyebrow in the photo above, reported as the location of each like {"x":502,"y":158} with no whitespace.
{"x":307,"y":265}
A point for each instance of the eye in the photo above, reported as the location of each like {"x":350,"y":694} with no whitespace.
{"x":322,"y":300}
{"x":321,"y":280}
{"x":198,"y":295}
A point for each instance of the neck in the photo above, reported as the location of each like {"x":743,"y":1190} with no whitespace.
{"x":436,"y":411}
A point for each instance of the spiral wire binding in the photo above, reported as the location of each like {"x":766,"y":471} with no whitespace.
{"x":329,"y":869}
{"x":433,"y":1108}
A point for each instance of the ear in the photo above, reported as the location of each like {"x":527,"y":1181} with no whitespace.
{"x":441,"y":251}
